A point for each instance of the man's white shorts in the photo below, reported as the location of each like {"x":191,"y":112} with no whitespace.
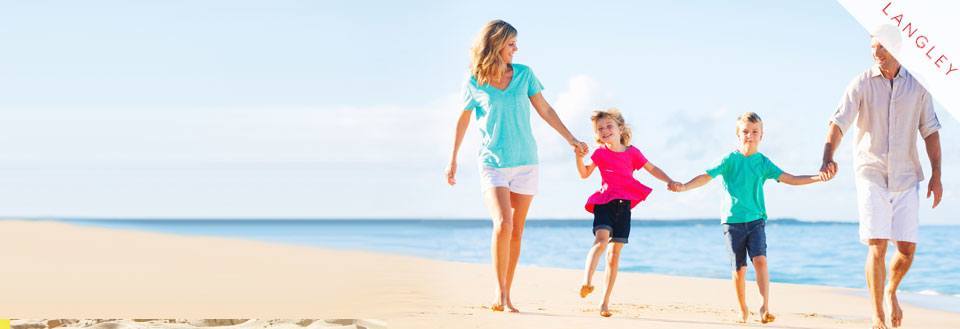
{"x":888,"y":215}
{"x":522,"y":179}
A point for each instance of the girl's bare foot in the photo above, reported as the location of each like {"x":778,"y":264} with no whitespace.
{"x":604,"y":311}
{"x":585,"y":290}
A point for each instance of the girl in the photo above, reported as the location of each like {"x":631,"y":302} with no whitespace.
{"x":498,"y":94}
{"x":619,"y":193}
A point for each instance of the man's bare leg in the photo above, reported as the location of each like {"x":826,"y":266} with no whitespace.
{"x":876,"y":272}
{"x":898,"y":269}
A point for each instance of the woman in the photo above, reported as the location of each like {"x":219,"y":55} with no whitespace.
{"x":499,"y":94}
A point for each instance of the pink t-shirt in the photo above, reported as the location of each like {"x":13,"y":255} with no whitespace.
{"x":616,"y":171}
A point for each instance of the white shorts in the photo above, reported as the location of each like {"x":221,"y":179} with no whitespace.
{"x":522,"y":179}
{"x":888,"y":215}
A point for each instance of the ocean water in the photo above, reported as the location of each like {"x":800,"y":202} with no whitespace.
{"x":820,"y":253}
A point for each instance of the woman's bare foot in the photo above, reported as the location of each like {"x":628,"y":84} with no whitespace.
{"x":896,"y":313}
{"x":604,"y":311}
{"x":510,"y":307}
{"x":585,"y":290}
{"x":497,"y":305}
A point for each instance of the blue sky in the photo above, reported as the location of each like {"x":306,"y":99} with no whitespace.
{"x":345,"y":109}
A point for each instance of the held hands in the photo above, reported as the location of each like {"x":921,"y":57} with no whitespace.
{"x":828,"y":170}
{"x":675,"y":186}
{"x":579,"y":148}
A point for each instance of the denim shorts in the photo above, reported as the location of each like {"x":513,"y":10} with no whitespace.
{"x":745,"y":238}
{"x":615,"y":217}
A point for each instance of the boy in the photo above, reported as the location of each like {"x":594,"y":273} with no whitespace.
{"x":744,"y":172}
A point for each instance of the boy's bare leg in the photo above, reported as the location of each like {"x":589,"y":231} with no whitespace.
{"x":613,"y":264}
{"x":740,"y":282}
{"x":898,"y":269}
{"x":875,"y":273}
{"x":763,"y":283}
{"x":593,"y":259}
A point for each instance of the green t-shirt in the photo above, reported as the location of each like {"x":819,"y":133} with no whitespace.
{"x":506,"y":137}
{"x":743,"y":177}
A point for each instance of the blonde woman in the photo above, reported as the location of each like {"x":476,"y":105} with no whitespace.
{"x":498,"y":95}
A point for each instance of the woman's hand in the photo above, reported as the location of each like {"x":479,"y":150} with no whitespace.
{"x":580,"y":148}
{"x":452,"y":173}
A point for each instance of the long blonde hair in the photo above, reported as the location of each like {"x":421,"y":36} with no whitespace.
{"x":612,"y":113}
{"x":485,"y":62}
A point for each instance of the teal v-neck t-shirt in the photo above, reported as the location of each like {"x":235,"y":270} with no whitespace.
{"x":743,"y":178}
{"x":503,"y":116}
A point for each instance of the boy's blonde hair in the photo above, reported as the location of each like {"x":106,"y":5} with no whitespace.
{"x":485,"y":62}
{"x":614,"y":114}
{"x":750,"y":117}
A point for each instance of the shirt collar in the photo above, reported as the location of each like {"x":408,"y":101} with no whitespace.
{"x":875,"y":72}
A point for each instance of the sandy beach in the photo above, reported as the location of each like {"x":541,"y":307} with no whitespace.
{"x":55,"y":270}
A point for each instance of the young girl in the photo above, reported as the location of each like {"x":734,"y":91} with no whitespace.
{"x":619,"y":193}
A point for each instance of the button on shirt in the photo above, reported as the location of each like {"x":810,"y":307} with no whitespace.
{"x":888,"y":118}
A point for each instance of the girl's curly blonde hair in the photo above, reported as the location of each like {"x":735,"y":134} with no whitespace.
{"x":614,"y":114}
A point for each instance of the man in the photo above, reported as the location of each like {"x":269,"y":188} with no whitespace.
{"x":890,"y":109}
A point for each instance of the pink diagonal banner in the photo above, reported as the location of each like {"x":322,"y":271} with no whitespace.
{"x":924,"y":36}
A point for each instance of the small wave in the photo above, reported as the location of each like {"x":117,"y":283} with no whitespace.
{"x":929,"y":292}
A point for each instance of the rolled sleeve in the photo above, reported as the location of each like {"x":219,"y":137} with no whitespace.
{"x":848,"y":108}
{"x":929,"y":123}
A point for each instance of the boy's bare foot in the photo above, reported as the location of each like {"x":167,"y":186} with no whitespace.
{"x":896,"y":313}
{"x":604,"y":311}
{"x":585,"y":290}
{"x":766,"y":316}
{"x":878,"y":322}
{"x":744,"y":316}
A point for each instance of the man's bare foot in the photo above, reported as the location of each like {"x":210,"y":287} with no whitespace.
{"x":585,"y":290}
{"x":766,"y":316}
{"x":896,"y":313}
{"x":604,"y":311}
